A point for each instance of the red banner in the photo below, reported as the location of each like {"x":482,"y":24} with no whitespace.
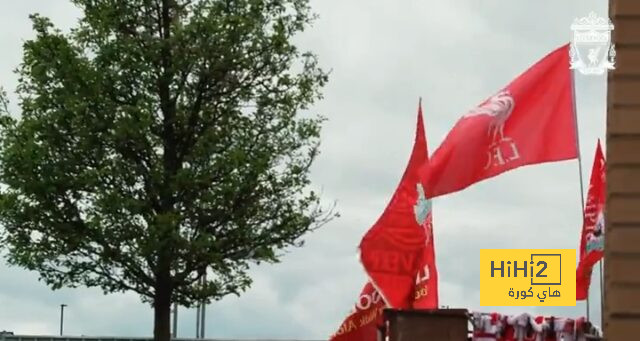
{"x":592,"y":237}
{"x":392,"y":250}
{"x":362,"y":324}
{"x":530,"y":121}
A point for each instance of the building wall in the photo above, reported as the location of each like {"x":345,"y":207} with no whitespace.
{"x":622,"y":245}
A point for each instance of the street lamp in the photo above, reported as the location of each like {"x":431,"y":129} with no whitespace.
{"x":62,"y":317}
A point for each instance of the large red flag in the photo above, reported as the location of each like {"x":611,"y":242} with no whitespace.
{"x":392,"y":250}
{"x":529,"y":121}
{"x":426,"y":288}
{"x":362,"y":324}
{"x":592,"y":237}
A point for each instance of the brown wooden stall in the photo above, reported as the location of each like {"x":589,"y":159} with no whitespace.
{"x":415,"y":325}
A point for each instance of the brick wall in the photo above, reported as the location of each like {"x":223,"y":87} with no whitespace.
{"x":622,"y":245}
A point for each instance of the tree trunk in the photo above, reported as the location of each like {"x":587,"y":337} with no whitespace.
{"x":162,"y":314}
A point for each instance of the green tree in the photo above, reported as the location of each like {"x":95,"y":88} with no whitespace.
{"x":159,"y":140}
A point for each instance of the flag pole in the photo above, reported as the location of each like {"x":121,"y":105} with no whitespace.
{"x":601,"y":293}
{"x":204,"y":307}
{"x":198,"y":321}
{"x":175,"y":320}
{"x":575,"y":115}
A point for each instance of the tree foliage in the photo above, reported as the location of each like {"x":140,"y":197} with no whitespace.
{"x":160,"y":139}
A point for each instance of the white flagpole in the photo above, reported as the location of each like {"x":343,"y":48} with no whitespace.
{"x":575,"y":113}
{"x":601,"y":293}
{"x":203,"y":309}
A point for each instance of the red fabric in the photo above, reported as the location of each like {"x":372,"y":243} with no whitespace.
{"x":549,"y":334}
{"x":509,"y":333}
{"x":392,"y":250}
{"x":528,"y":122}
{"x":488,"y":327}
{"x":524,"y":327}
{"x":426,"y":288}
{"x":592,"y":235}
{"x":361,"y":325}
{"x":426,"y":292}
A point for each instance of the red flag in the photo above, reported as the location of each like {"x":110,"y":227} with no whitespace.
{"x":426,"y":290}
{"x":362,"y":324}
{"x":530,"y":121}
{"x":592,"y":238}
{"x":392,"y":250}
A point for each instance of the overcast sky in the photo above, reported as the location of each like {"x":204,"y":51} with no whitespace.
{"x":383,"y":55}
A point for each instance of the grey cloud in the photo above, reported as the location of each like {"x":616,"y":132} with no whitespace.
{"x":383,"y":55}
